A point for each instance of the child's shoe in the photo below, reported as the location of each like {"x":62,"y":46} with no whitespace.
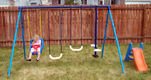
{"x":28,"y":59}
{"x":37,"y":59}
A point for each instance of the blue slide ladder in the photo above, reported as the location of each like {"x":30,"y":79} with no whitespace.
{"x":130,"y":53}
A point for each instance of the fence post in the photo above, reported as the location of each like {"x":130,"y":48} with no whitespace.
{"x":144,"y":23}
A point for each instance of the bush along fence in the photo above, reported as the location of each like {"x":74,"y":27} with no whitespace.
{"x":132,"y":24}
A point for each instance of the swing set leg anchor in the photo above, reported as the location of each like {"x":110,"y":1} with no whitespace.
{"x":95,"y":56}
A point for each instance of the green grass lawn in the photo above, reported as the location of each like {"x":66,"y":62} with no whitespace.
{"x":73,"y":65}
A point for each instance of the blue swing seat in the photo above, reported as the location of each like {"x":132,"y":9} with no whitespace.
{"x":42,"y":45}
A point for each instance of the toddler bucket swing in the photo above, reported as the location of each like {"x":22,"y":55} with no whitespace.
{"x":37,"y":46}
{"x":30,"y":34}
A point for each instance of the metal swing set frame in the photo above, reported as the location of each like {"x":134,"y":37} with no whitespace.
{"x":95,"y":45}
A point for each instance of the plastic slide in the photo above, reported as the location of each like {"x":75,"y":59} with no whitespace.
{"x":139,"y":59}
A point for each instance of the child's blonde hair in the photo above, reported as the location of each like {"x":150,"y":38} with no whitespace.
{"x":35,"y":37}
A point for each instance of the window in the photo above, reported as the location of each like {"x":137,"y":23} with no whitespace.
{"x":112,"y":1}
{"x":16,"y":0}
{"x":33,"y":3}
{"x":59,"y":1}
{"x":31,"y":0}
{"x":84,"y":1}
{"x":100,"y":2}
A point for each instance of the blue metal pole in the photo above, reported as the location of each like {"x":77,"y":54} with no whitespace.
{"x":110,"y":37}
{"x":95,"y":29}
{"x":95,"y":53}
{"x":61,"y":29}
{"x":105,"y":33}
{"x":116,"y":41}
{"x":18,"y":38}
{"x":11,"y":59}
{"x":70,"y":24}
{"x":81,"y":25}
{"x":62,"y":6}
{"x":23,"y":34}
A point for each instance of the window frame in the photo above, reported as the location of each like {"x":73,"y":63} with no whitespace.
{"x":84,"y":1}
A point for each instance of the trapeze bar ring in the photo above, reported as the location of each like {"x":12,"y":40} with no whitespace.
{"x":56,"y":57}
{"x":76,"y":49}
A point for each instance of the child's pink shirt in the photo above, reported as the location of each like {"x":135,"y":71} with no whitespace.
{"x":37,"y":41}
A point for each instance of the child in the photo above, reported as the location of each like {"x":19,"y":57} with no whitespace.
{"x":36,"y":41}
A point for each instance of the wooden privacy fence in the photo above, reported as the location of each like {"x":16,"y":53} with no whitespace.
{"x":132,"y":24}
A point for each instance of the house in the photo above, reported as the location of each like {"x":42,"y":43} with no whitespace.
{"x":61,"y":2}
{"x":137,"y":1}
{"x":112,"y":2}
{"x":88,"y":2}
{"x":41,"y":2}
{"x":20,"y":2}
{"x":4,"y":3}
{"x":34,"y":2}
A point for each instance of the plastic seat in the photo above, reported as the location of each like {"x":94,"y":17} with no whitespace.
{"x":42,"y":45}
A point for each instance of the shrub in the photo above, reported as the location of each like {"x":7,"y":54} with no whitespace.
{"x":70,"y":2}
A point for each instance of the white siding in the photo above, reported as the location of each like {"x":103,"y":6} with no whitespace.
{"x":4,"y":3}
{"x":62,"y":2}
{"x":117,"y":2}
{"x":44,"y":2}
{"x":95,"y":2}
{"x":137,"y":1}
{"x":90,"y":2}
{"x":21,"y":3}
{"x":78,"y":1}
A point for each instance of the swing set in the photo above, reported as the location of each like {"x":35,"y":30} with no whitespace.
{"x":94,"y":45}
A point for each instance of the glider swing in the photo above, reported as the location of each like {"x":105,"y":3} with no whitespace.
{"x":60,"y":40}
{"x":70,"y":31}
